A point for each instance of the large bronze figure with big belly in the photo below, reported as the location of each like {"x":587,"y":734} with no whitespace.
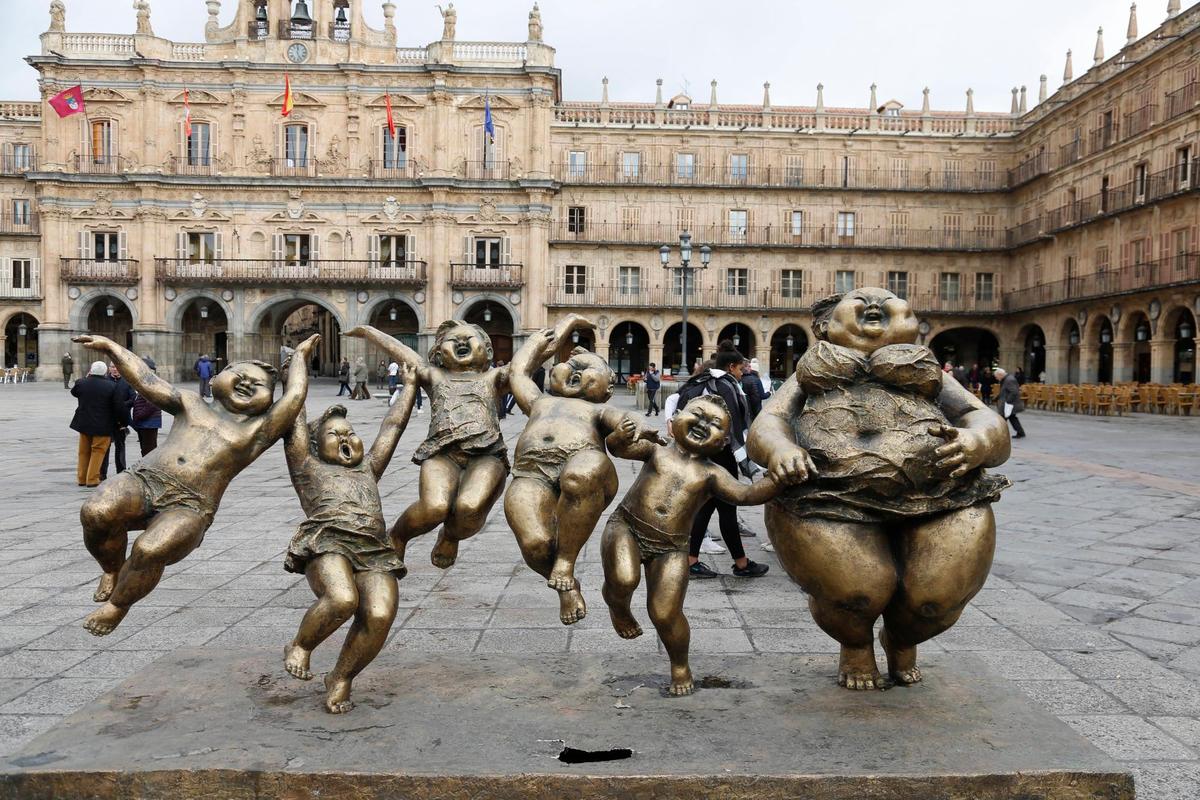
{"x":888,"y":506}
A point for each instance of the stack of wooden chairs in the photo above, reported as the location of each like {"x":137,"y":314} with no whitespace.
{"x":1106,"y":399}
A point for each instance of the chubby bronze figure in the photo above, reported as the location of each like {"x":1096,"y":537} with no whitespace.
{"x":888,"y":510}
{"x":173,"y":493}
{"x":563,"y":478}
{"x":463,"y":460}
{"x":342,"y":548}
{"x":653,"y":523}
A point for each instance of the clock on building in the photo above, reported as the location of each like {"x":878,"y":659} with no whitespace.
{"x":297,"y":53}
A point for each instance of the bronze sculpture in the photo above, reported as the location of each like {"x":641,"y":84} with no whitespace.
{"x":342,"y":547}
{"x":463,"y":460}
{"x":653,"y":523}
{"x":563,"y":478}
{"x":888,"y":510}
{"x":173,"y":493}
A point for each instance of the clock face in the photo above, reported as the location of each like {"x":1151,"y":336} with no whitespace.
{"x":297,"y":53}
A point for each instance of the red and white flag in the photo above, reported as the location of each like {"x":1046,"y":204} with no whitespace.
{"x":187,"y":114}
{"x":68,"y":101}
{"x":387,"y":99}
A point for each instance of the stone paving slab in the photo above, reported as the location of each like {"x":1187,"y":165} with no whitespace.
{"x":1106,"y":507}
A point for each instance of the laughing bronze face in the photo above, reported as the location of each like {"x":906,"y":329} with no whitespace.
{"x":867,"y":319}
{"x":244,"y":388}
{"x":337,"y":443}
{"x":584,"y":376}
{"x":702,"y":426}
{"x":462,"y":349}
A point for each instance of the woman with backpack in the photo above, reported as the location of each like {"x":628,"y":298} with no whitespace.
{"x":146,"y":418}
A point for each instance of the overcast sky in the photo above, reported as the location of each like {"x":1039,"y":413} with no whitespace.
{"x":902,"y":45}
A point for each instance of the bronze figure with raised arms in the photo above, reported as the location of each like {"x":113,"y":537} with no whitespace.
{"x":173,"y":493}
{"x":563,"y":478}
{"x":463,"y":459}
{"x":342,"y":547}
{"x":653,"y":523}
{"x":888,"y":505}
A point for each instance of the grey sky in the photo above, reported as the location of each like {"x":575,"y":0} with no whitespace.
{"x":902,"y":45}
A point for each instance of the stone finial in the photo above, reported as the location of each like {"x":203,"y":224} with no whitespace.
{"x":767,"y":94}
{"x":658,"y":101}
{"x":389,"y":21}
{"x":143,"y":17}
{"x":1131,"y":34}
{"x":1172,"y":9}
{"x":712,"y":98}
{"x":970,"y":102}
{"x":820,"y":97}
{"x":1098,"y":56}
{"x":214,"y":13}
{"x":535,"y":24}
{"x":1016,"y":104}
{"x":1043,"y":91}
{"x":925,"y":100}
{"x":874,"y":102}
{"x":1068,"y":70}
{"x":58,"y":16}
{"x":604,"y":91}
{"x":1024,"y":106}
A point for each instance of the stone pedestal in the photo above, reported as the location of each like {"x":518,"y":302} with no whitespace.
{"x":204,"y":723}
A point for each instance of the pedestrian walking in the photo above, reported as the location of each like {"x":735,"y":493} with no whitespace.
{"x":381,"y":374}
{"x":361,"y":374}
{"x":987,"y":380}
{"x":752,"y":386}
{"x":204,"y":369}
{"x":393,"y":377}
{"x":1009,"y":402}
{"x":145,"y":417}
{"x":344,"y":377}
{"x":123,"y":400}
{"x":652,"y":383}
{"x":68,"y":368}
{"x":95,"y":419}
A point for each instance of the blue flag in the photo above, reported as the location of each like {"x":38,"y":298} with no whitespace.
{"x":489,"y":127}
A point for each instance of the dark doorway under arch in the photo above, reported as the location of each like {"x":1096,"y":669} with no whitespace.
{"x":787,"y":345}
{"x":498,"y":324}
{"x":673,"y":348}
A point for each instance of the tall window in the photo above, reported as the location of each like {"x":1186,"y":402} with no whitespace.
{"x":845,"y":224}
{"x":631,"y":217}
{"x":576,"y":219}
{"x":791,"y":283}
{"x":987,"y":174}
{"x":629,"y":280}
{"x":22,"y":273}
{"x":1137,"y":250}
{"x":22,"y":156}
{"x":737,"y":281}
{"x":1180,"y":245}
{"x":577,"y":164}
{"x":797,"y":222}
{"x":952,"y":174}
{"x":843,"y":281}
{"x":952,"y":227}
{"x":199,"y":153}
{"x":487,"y":252}
{"x":985,"y":225}
{"x":575,"y":279}
{"x":738,"y":220}
{"x":685,"y":218}
{"x":899,"y":173}
{"x":102,"y":142}
{"x":201,"y":248}
{"x":1103,"y":260}
{"x":1140,"y":178}
{"x":395,"y":148}
{"x":295,"y":145}
{"x":631,"y":166}
{"x":794,"y":170}
{"x":685,"y":166}
{"x":296,"y":248}
{"x":1183,"y":165}
{"x":739,"y":167}
{"x":949,"y":285}
{"x":21,"y":213}
{"x":898,"y":223}
{"x":897,"y":284}
{"x":985,"y":286}
{"x":393,"y":251}
{"x":106,"y":245}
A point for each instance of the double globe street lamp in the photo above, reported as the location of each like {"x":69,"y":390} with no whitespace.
{"x":685,"y":271}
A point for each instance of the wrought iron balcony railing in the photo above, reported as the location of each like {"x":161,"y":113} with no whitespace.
{"x":404,"y":169}
{"x":117,"y":272}
{"x":194,"y":165}
{"x":20,"y":224}
{"x":1182,"y":100}
{"x":266,"y":272}
{"x":100,"y":164}
{"x":1177,"y":270}
{"x":495,"y":276}
{"x":493,"y":170}
{"x":18,"y":164}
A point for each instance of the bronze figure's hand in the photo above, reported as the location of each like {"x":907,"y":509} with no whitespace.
{"x":93,"y":342}
{"x":306,"y":347}
{"x":407,"y":375}
{"x":792,"y":466}
{"x":357,"y":332}
{"x":964,"y":450}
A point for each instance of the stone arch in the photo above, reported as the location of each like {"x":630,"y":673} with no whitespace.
{"x":367,"y":310}
{"x":82,"y":307}
{"x":295,"y":298}
{"x":465,"y":307}
{"x":177,"y":307}
{"x":15,"y":311}
{"x":628,"y":358}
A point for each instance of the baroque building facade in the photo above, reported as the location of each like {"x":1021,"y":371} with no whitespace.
{"x":1060,"y":237}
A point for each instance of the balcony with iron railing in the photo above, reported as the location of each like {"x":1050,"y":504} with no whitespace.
{"x":1139,"y":121}
{"x":271,"y":272}
{"x":1070,"y":152}
{"x":1177,"y":270}
{"x":491,"y":170}
{"x":1103,"y":138}
{"x":18,"y":164}
{"x":492,"y":276}
{"x":1033,"y":167}
{"x":774,"y":176}
{"x":100,"y":164}
{"x":304,"y":167}
{"x":339,"y":31}
{"x":199,"y":166}
{"x":807,"y":236}
{"x":22,"y":224}
{"x":20,"y":285}
{"x":289,"y":30}
{"x":404,"y":169}
{"x":85,"y":271}
{"x":1182,"y":100}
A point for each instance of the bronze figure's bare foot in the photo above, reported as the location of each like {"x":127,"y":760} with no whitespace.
{"x":902,"y":662}
{"x":337,"y":695}
{"x":562,"y":580}
{"x":681,"y":682}
{"x":857,"y":669}
{"x":104,"y":591}
{"x":445,"y":552}
{"x":624,"y":624}
{"x":104,"y":620}
{"x":295,"y":661}
{"x":571,"y":607}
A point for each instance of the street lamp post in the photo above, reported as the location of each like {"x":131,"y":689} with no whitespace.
{"x":685,"y":271}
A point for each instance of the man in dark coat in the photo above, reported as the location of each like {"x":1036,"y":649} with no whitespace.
{"x":1009,"y":402}
{"x":205,"y":369}
{"x":68,"y":368}
{"x":652,"y":384}
{"x":96,"y":416}
{"x":752,"y":386}
{"x":987,"y":380}
{"x":123,"y":398}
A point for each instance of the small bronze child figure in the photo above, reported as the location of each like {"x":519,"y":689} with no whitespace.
{"x":562,"y":476}
{"x":653,"y":523}
{"x":464,"y":460}
{"x":343,"y":548}
{"x":888,"y":509}
{"x":174,"y":491}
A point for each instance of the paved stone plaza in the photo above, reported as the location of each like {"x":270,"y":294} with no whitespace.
{"x":1093,"y":606}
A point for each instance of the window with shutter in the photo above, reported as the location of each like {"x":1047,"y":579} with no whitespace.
{"x":791,"y":283}
{"x":897,"y":284}
{"x":843,"y":281}
{"x":738,"y":225}
{"x":685,"y":219}
{"x":575,"y":279}
{"x":949,"y":286}
{"x":985,"y":286}
{"x":630,"y":280}
{"x":794,"y":170}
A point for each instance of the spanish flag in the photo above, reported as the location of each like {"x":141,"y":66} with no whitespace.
{"x":391,"y":121}
{"x":287,"y":95}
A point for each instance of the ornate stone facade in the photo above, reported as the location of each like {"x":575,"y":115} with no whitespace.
{"x":1062,"y":238}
